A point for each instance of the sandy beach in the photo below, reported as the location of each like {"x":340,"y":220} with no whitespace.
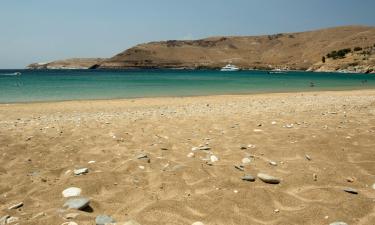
{"x":175,"y":161}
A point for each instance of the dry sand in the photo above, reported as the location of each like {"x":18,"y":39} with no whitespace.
{"x":42,"y":143}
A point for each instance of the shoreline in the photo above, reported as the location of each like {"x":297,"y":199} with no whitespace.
{"x":189,"y":96}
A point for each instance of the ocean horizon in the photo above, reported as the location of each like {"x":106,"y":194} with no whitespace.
{"x":63,"y":85}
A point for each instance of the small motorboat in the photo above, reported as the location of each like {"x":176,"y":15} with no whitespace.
{"x":230,"y":68}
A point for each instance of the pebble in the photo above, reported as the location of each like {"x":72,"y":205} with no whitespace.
{"x":289,"y":126}
{"x":276,"y":210}
{"x":239,"y":167}
{"x":3,"y":220}
{"x":142,"y":156}
{"x":12,"y":220}
{"x":251,"y":146}
{"x":70,"y":216}
{"x":243,"y":147}
{"x":308,"y":157}
{"x":245,"y":161}
{"x":72,"y":192}
{"x":77,"y":203}
{"x":268,"y":179}
{"x":81,"y":171}
{"x":141,"y":167}
{"x":70,"y":223}
{"x":273,"y":163}
{"x":257,"y":130}
{"x":204,"y":148}
{"x":197,"y":223}
{"x":191,"y":155}
{"x":351,"y":190}
{"x":104,"y":219}
{"x":373,"y":186}
{"x":194,"y":148}
{"x":16,"y":206}
{"x":338,"y":223}
{"x":350,"y":179}
{"x":315,"y":177}
{"x":214,"y":158}
{"x":90,"y":162}
{"x":248,"y":177}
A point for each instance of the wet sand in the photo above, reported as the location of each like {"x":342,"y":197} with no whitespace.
{"x":42,"y":143}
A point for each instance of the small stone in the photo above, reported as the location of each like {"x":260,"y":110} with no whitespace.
{"x":77,"y":203}
{"x":239,"y":167}
{"x":214,"y":158}
{"x":273,"y":163}
{"x":16,"y":206}
{"x":235,"y":191}
{"x":90,"y":162}
{"x":351,"y":190}
{"x":80,"y":171}
{"x":72,"y":192}
{"x":12,"y":220}
{"x":308,"y":157}
{"x":251,"y":146}
{"x":315,"y":177}
{"x":243,"y":147}
{"x":70,"y":216}
{"x":70,"y":223}
{"x":268,"y":179}
{"x":338,"y":223}
{"x":142,"y":156}
{"x":197,"y":223}
{"x":289,"y":126}
{"x":194,"y":148}
{"x":350,"y":179}
{"x":141,"y":167}
{"x":246,"y":161}
{"x":248,"y":177}
{"x":276,"y":210}
{"x":373,"y":186}
{"x":104,"y":219}
{"x":204,"y":148}
{"x":257,"y":130}
{"x":273,"y":122}
{"x":3,"y":220}
{"x":191,"y":155}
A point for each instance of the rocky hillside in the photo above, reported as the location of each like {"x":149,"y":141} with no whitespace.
{"x":75,"y":63}
{"x":299,"y":51}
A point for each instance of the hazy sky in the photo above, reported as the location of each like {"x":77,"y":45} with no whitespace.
{"x":44,"y":30}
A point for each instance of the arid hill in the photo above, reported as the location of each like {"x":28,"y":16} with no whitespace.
{"x":300,"y":51}
{"x":75,"y":63}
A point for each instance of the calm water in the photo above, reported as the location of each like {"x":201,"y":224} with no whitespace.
{"x":35,"y":85}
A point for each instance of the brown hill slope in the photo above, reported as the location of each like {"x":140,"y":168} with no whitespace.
{"x":290,"y":50}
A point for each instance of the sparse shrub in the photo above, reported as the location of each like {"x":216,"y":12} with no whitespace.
{"x":324,"y":59}
{"x":339,"y":54}
{"x":356,"y":49}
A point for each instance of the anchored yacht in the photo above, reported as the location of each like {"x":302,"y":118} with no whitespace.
{"x":229,"y":67}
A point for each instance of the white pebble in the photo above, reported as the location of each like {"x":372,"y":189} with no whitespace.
{"x":71,"y":192}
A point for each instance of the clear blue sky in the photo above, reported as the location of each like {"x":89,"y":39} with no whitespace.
{"x":44,"y":30}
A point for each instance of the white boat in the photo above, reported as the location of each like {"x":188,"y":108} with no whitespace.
{"x":229,"y":68}
{"x":11,"y":74}
{"x":277,"y":71}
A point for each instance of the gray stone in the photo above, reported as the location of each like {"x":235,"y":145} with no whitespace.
{"x":142,"y":156}
{"x":71,"y":192}
{"x":351,"y":190}
{"x":3,"y":220}
{"x":104,"y":219}
{"x":12,"y":219}
{"x":268,"y":179}
{"x":16,"y":206}
{"x":338,"y":223}
{"x":248,"y":177}
{"x":77,"y":203}
{"x":80,"y":171}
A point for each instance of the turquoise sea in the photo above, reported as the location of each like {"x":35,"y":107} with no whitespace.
{"x":56,"y":85}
